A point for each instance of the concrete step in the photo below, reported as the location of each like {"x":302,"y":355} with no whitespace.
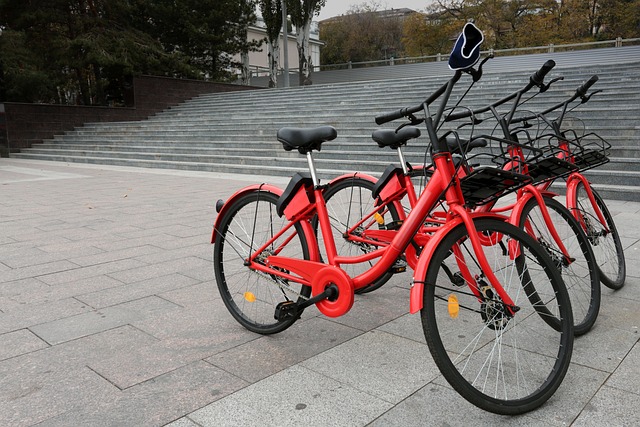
{"x":237,"y":132}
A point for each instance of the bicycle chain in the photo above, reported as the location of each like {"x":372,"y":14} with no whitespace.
{"x":279,"y":283}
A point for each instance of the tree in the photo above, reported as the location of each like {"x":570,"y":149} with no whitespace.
{"x":71,"y":51}
{"x":429,"y":34}
{"x":302,"y":13}
{"x":363,"y":34}
{"x":272,"y":15}
{"x":83,"y":51}
{"x":621,"y":18}
{"x":209,"y":33}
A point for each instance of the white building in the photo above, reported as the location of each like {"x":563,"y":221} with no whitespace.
{"x":259,"y":62}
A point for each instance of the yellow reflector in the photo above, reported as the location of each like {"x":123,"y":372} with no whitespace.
{"x":249,"y":296}
{"x":378,"y":218}
{"x":453,"y":306}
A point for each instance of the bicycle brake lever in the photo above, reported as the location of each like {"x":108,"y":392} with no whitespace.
{"x":544,"y":88}
{"x":586,"y":98}
{"x":413,"y":121}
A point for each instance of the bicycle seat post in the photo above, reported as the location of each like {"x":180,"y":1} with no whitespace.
{"x":312,"y":170}
{"x":403,"y":161}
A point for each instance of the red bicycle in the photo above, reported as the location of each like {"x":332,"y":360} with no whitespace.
{"x":360,"y":205}
{"x":585,"y":152}
{"x":483,"y":286}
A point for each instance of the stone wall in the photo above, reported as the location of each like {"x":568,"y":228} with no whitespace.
{"x":22,"y":125}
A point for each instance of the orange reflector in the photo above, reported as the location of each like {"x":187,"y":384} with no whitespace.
{"x":249,"y":296}
{"x":453,"y":306}
{"x":378,"y":218}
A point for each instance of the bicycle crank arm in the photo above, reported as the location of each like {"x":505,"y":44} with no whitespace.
{"x":289,"y":309}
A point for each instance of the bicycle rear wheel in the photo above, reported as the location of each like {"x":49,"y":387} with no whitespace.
{"x":249,"y":295}
{"x":606,"y":245}
{"x":501,"y":362}
{"x":580,"y":275}
{"x":348,"y":202}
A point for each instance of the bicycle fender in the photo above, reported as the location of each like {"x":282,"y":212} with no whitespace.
{"x":221,"y":211}
{"x":348,"y":176}
{"x":572,"y":188}
{"x":420,"y":272}
{"x":516,"y":212}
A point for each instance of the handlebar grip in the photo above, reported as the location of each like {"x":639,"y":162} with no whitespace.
{"x":537,"y":78}
{"x":388,"y":117}
{"x":582,"y":90}
{"x":457,"y":116}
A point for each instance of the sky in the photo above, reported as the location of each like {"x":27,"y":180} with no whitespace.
{"x":340,"y":7}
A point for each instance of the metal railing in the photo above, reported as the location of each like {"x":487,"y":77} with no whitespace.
{"x":550,"y":48}
{"x":258,"y":71}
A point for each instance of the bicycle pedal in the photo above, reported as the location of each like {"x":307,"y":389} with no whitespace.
{"x":286,"y":310}
{"x":394,"y":225}
{"x":399,"y":266}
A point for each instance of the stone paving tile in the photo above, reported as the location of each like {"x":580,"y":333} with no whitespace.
{"x":612,"y":408}
{"x":310,"y":399}
{"x":627,"y":376}
{"x":192,"y":295}
{"x":627,"y":224}
{"x":203,"y":273}
{"x":376,"y":308}
{"x":407,"y":326}
{"x":184,"y":336}
{"x":26,"y":257}
{"x":21,"y":290}
{"x":202,"y":250}
{"x":437,"y":405}
{"x":119,"y":294}
{"x":267,"y":355}
{"x":125,"y":242}
{"x":393,"y":368}
{"x":156,"y":402}
{"x":183,"y":422}
{"x":66,"y":290}
{"x":76,"y":273}
{"x":619,"y":309}
{"x":94,"y":321}
{"x":203,"y":237}
{"x":47,"y":394}
{"x":19,"y":342}
{"x":28,"y":315}
{"x":603,"y":348}
{"x":184,"y":266}
{"x":104,"y":257}
{"x":57,"y":267}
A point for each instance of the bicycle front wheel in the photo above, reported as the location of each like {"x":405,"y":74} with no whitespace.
{"x":579,"y":272}
{"x":506,"y":360}
{"x":606,"y":245}
{"x":252,"y":296}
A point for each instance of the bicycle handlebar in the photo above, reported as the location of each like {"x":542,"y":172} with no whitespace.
{"x":536,"y":79}
{"x":398,"y":114}
{"x":582,"y":90}
{"x":394,"y":115}
{"x":476,"y":74}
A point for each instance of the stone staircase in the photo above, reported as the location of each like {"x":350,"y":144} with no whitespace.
{"x":235,"y":132}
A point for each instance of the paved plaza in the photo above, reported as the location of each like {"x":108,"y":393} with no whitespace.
{"x":110,"y":316}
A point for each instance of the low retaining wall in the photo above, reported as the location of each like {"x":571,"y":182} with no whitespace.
{"x":22,"y":125}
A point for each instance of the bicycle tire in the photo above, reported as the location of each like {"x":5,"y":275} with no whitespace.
{"x":483,"y":353}
{"x":251,"y":296}
{"x":607,"y":247}
{"x":347,"y":202}
{"x":581,"y":276}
